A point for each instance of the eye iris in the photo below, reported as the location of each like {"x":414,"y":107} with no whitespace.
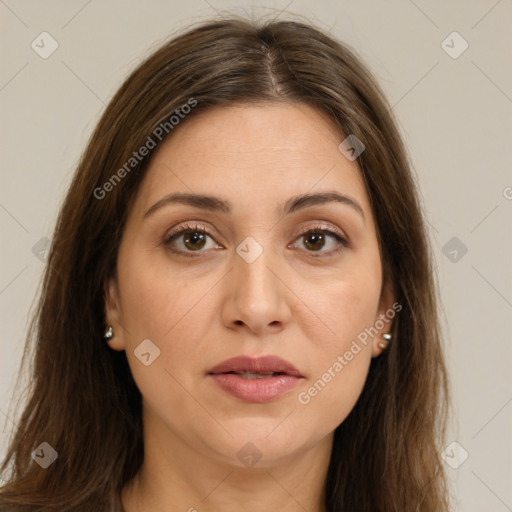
{"x":316,"y":237}
{"x":192,"y":238}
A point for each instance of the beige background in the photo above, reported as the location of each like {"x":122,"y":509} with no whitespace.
{"x":455,"y":115}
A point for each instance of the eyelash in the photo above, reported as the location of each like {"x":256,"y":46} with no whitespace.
{"x":187,"y":228}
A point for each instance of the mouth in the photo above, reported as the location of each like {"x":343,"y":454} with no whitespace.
{"x":256,"y":368}
{"x":256,"y":380}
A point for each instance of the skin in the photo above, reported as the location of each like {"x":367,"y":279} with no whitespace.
{"x":202,"y":310}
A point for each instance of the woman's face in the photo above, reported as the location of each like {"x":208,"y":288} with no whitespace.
{"x":245,"y":280}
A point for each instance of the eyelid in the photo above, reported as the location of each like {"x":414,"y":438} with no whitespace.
{"x":183,"y":227}
{"x":327,"y":228}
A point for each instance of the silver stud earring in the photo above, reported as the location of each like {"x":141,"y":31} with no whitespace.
{"x":109,"y":333}
{"x":387,"y":337}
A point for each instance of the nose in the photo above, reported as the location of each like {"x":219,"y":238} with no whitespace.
{"x":256,"y":295}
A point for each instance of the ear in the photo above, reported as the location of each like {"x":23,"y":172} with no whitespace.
{"x":113,"y":314}
{"x":388,"y":307}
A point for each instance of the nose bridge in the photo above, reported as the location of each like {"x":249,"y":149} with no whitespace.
{"x":253,"y":259}
{"x":256,"y":292}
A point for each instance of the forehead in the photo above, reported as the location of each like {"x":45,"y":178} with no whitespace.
{"x":255,"y":153}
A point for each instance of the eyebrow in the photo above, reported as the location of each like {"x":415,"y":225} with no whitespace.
{"x":216,"y":204}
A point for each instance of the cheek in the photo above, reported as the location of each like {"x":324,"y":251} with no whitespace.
{"x":329,"y":398}
{"x":347,"y":306}
{"x":343,"y":356}
{"x":155,"y":298}
{"x":171,"y":309}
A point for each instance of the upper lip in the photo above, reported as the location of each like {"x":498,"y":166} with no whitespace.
{"x":262,"y":364}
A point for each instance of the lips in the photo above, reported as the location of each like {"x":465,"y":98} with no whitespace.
{"x":268,"y":365}
{"x":256,"y":380}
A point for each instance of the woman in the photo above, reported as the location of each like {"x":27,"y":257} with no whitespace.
{"x":238,"y":308}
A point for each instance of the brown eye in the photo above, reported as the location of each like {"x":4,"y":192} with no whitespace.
{"x":189,"y":239}
{"x":316,"y":239}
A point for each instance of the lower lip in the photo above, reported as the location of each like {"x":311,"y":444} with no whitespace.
{"x":255,"y":390}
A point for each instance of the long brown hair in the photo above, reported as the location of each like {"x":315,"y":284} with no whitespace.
{"x":82,"y":398}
